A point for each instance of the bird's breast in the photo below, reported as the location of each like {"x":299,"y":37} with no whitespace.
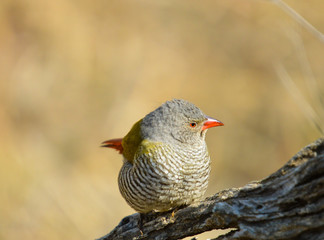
{"x":165,"y":177}
{"x":184,"y":168}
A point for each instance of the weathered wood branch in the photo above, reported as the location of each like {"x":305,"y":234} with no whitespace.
{"x":289,"y":204}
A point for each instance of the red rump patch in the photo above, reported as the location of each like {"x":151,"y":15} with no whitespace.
{"x":115,"y":144}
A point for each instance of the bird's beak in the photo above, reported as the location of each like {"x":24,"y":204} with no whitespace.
{"x":211,"y":122}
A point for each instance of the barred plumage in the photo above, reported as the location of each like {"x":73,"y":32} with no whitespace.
{"x":165,"y":179}
{"x":166,"y":162}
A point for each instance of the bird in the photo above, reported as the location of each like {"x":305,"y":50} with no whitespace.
{"x":166,"y":164}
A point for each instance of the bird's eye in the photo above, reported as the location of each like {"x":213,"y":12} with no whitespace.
{"x":192,"y":124}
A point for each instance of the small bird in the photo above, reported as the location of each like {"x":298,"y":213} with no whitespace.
{"x":166,"y":162}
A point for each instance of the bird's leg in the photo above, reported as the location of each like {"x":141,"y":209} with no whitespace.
{"x":177,"y":209}
{"x":145,"y":217}
{"x":140,"y":222}
{"x":172,"y":214}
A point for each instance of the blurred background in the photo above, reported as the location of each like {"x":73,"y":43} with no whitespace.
{"x":76,"y":73}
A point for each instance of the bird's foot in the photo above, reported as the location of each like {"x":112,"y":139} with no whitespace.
{"x":141,"y":222}
{"x":176,"y":209}
{"x":144,"y":218}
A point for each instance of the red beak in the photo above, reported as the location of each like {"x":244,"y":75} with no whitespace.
{"x":211,"y":122}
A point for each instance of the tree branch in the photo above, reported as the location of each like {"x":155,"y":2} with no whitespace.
{"x":289,"y":204}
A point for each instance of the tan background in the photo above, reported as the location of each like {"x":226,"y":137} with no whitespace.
{"x":75,"y":73}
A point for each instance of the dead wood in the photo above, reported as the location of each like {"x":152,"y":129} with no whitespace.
{"x":289,"y":204}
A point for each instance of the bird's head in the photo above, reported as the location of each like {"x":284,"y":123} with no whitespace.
{"x":177,"y":121}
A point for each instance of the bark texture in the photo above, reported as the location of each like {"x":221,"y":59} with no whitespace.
{"x":289,"y":204}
